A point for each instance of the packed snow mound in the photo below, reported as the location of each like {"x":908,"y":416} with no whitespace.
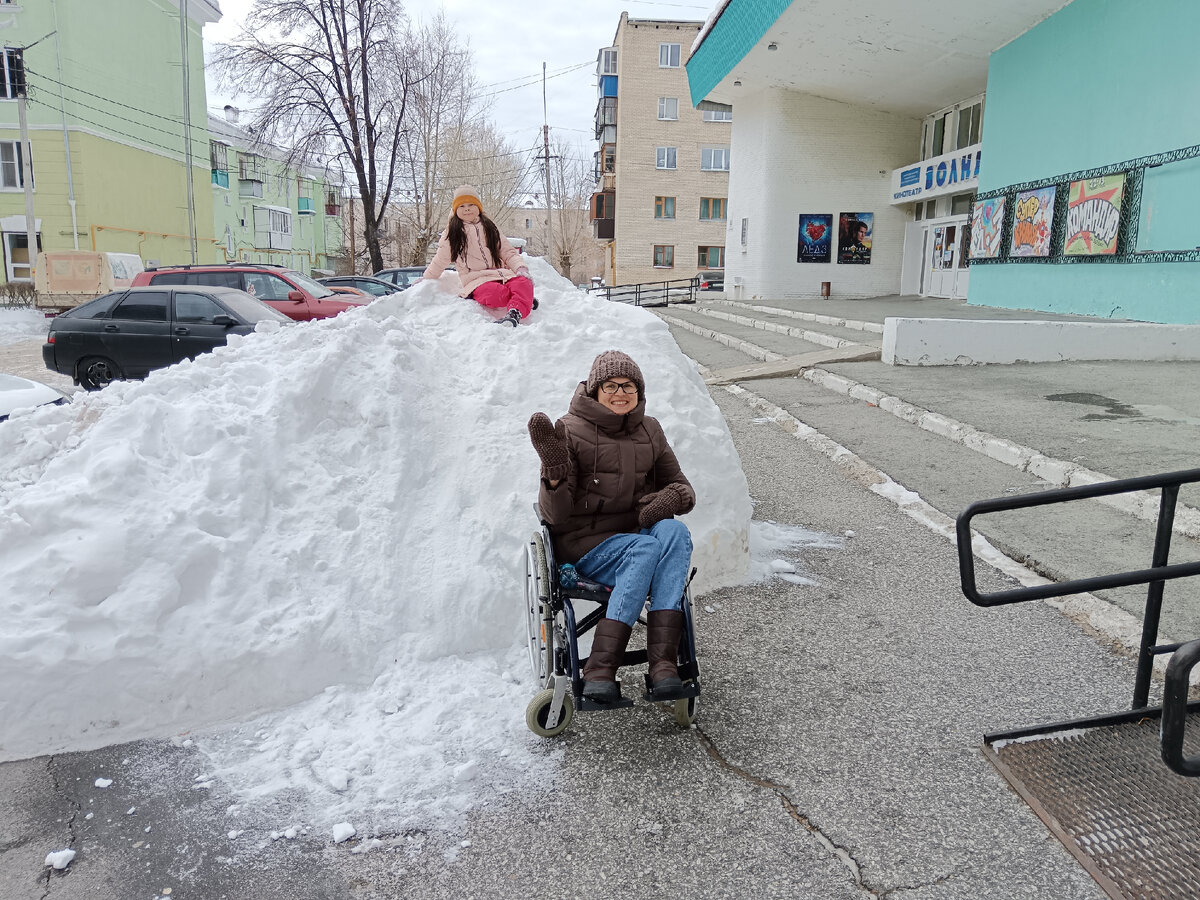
{"x":22,"y":325}
{"x":334,"y":512}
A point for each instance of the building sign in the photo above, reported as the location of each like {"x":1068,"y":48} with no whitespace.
{"x":1094,"y":216}
{"x":1033,"y":219}
{"x":950,"y":173}
{"x":815,"y":244}
{"x":987,"y":224}
{"x":854,"y":238}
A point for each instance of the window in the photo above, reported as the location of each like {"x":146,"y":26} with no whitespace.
{"x":603,"y":205}
{"x":251,"y":167}
{"x":143,"y":306}
{"x":745,"y":231}
{"x":970,"y":120}
{"x":14,"y":72}
{"x":668,"y":107}
{"x":12,"y":165}
{"x":666,"y":158}
{"x":714,"y":159}
{"x":668,"y":56}
{"x":608,"y":62}
{"x":197,"y":309}
{"x":664,"y":256}
{"x":960,"y":204}
{"x":218,"y":155}
{"x":528,"y":224}
{"x":664,"y":207}
{"x":712,"y":208}
{"x":718,"y":115}
{"x":710,"y":257}
{"x":610,"y":158}
{"x":272,"y":228}
{"x":266,"y":287}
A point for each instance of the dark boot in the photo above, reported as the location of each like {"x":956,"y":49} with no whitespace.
{"x":608,"y":652}
{"x":513,"y":318}
{"x":663,"y":629}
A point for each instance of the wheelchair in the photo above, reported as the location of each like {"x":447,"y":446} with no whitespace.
{"x":553,"y":643}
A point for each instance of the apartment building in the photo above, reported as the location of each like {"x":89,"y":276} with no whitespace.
{"x":662,"y":170}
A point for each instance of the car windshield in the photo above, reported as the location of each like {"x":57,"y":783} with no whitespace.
{"x":314,"y":288}
{"x":250,"y":309}
{"x":374,"y":287}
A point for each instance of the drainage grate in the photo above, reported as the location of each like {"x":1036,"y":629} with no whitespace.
{"x":1106,"y":794}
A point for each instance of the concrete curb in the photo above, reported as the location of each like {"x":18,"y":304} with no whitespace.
{"x":751,"y":350}
{"x":853,"y":324}
{"x":1087,"y":610}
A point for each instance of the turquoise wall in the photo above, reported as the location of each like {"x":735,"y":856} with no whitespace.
{"x":1100,"y":82}
{"x":739,"y":28}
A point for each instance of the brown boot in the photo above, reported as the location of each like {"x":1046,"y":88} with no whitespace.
{"x":663,"y":629}
{"x":608,"y":652}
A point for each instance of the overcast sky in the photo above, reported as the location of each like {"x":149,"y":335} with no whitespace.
{"x":510,"y":42}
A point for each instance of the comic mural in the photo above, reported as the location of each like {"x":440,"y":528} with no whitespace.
{"x":1094,"y":216}
{"x":987,"y":226}
{"x":1033,"y":221}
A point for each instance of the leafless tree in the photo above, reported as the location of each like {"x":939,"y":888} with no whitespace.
{"x":572,"y":182}
{"x":334,"y":78}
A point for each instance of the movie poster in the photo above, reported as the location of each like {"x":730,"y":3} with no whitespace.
{"x":987,"y":226}
{"x":1094,"y":216}
{"x":815,"y":244}
{"x":1033,"y":219}
{"x":855,"y":232}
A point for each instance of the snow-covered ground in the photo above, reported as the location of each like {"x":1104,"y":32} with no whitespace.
{"x":18,"y":325}
{"x":303,"y":552}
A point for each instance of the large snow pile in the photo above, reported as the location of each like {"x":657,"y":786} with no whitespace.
{"x":22,"y":325}
{"x":320,"y":530}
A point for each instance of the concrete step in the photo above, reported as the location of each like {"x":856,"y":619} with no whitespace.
{"x":765,"y":346}
{"x":824,"y":334}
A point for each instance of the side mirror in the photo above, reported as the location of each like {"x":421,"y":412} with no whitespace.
{"x":227,"y":321}
{"x":297,"y":296}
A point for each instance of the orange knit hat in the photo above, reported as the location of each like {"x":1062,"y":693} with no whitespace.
{"x":464,"y":194}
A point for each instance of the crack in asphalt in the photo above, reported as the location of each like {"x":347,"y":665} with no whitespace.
{"x":789,"y":806}
{"x":76,"y":810}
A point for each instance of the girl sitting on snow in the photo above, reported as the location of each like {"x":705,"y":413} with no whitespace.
{"x":490,"y":269}
{"x":609,"y":489}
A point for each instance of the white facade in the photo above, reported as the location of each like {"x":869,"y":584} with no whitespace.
{"x":798,"y":154}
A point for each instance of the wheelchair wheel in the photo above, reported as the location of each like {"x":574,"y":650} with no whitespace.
{"x":685,"y":710}
{"x":538,"y":709}
{"x":539,"y":619}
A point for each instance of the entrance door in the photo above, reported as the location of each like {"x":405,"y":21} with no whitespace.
{"x":946,"y":260}
{"x":16,"y":256}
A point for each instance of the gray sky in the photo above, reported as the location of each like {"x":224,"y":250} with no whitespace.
{"x":511,"y":40}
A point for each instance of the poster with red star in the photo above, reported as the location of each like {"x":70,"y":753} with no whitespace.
{"x":1094,"y":216}
{"x":1033,"y":221}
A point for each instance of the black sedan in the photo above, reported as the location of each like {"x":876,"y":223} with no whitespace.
{"x":376,"y":287}
{"x":401,"y":277}
{"x":128,"y":333}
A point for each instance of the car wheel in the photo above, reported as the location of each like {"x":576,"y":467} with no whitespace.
{"x":96,"y":372}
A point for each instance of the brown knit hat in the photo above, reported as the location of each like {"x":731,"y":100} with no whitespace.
{"x":614,"y":364}
{"x":464,"y":193}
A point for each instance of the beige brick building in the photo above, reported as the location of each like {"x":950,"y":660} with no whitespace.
{"x":660,"y":206}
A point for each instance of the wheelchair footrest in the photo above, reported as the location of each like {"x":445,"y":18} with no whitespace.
{"x":690,"y":689}
{"x":583,"y":704}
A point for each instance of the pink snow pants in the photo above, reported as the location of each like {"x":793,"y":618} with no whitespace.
{"x":516,"y":293}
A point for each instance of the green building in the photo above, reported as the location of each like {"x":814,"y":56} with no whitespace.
{"x":265,"y":211}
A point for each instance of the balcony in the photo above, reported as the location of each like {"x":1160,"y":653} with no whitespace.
{"x":251,"y":168}
{"x":220,"y":178}
{"x":333,"y":209}
{"x":603,"y":229}
{"x":606,"y":115}
{"x":304,"y":206}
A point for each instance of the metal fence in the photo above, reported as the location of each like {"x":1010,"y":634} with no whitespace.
{"x":651,"y":293}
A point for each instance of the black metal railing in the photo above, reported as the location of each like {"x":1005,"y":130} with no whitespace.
{"x":652,"y":293}
{"x":1175,"y":707}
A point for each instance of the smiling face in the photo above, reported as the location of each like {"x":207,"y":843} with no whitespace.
{"x":618,"y":401}
{"x":468,"y":212}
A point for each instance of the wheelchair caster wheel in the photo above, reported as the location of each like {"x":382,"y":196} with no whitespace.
{"x":538,"y":710}
{"x":685,"y":710}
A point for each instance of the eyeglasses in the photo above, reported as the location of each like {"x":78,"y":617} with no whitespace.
{"x":626,"y":387}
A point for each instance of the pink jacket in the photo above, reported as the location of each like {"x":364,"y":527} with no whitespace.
{"x":476,"y":265}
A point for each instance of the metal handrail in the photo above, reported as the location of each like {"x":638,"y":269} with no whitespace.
{"x":652,"y":293}
{"x":1174,"y":700}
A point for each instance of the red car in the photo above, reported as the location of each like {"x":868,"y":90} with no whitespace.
{"x":296,"y":296}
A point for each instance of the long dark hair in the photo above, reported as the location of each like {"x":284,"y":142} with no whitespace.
{"x":458,"y":237}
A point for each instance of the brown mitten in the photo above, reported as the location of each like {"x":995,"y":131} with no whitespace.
{"x":661,"y":505}
{"x":550,"y":442}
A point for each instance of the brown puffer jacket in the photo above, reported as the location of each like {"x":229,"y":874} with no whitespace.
{"x":615,"y":461}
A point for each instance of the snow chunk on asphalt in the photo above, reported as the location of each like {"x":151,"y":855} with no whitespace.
{"x":60,"y":859}
{"x":343,"y":831}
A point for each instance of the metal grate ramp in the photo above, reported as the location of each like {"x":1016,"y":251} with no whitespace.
{"x":1106,"y":794}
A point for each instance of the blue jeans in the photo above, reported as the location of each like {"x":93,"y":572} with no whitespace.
{"x":654,"y":561}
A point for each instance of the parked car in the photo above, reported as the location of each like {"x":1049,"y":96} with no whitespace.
{"x":128,"y":333}
{"x":25,"y":393}
{"x":376,"y":287}
{"x":295,"y":295}
{"x":712,"y":281}
{"x":401,"y":277}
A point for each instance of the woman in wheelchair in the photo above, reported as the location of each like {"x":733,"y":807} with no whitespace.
{"x":610,"y":486}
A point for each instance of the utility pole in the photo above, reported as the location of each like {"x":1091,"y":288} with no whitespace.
{"x":353,"y":252}
{"x":26,"y":171}
{"x":187,"y":130}
{"x":546,"y":143}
